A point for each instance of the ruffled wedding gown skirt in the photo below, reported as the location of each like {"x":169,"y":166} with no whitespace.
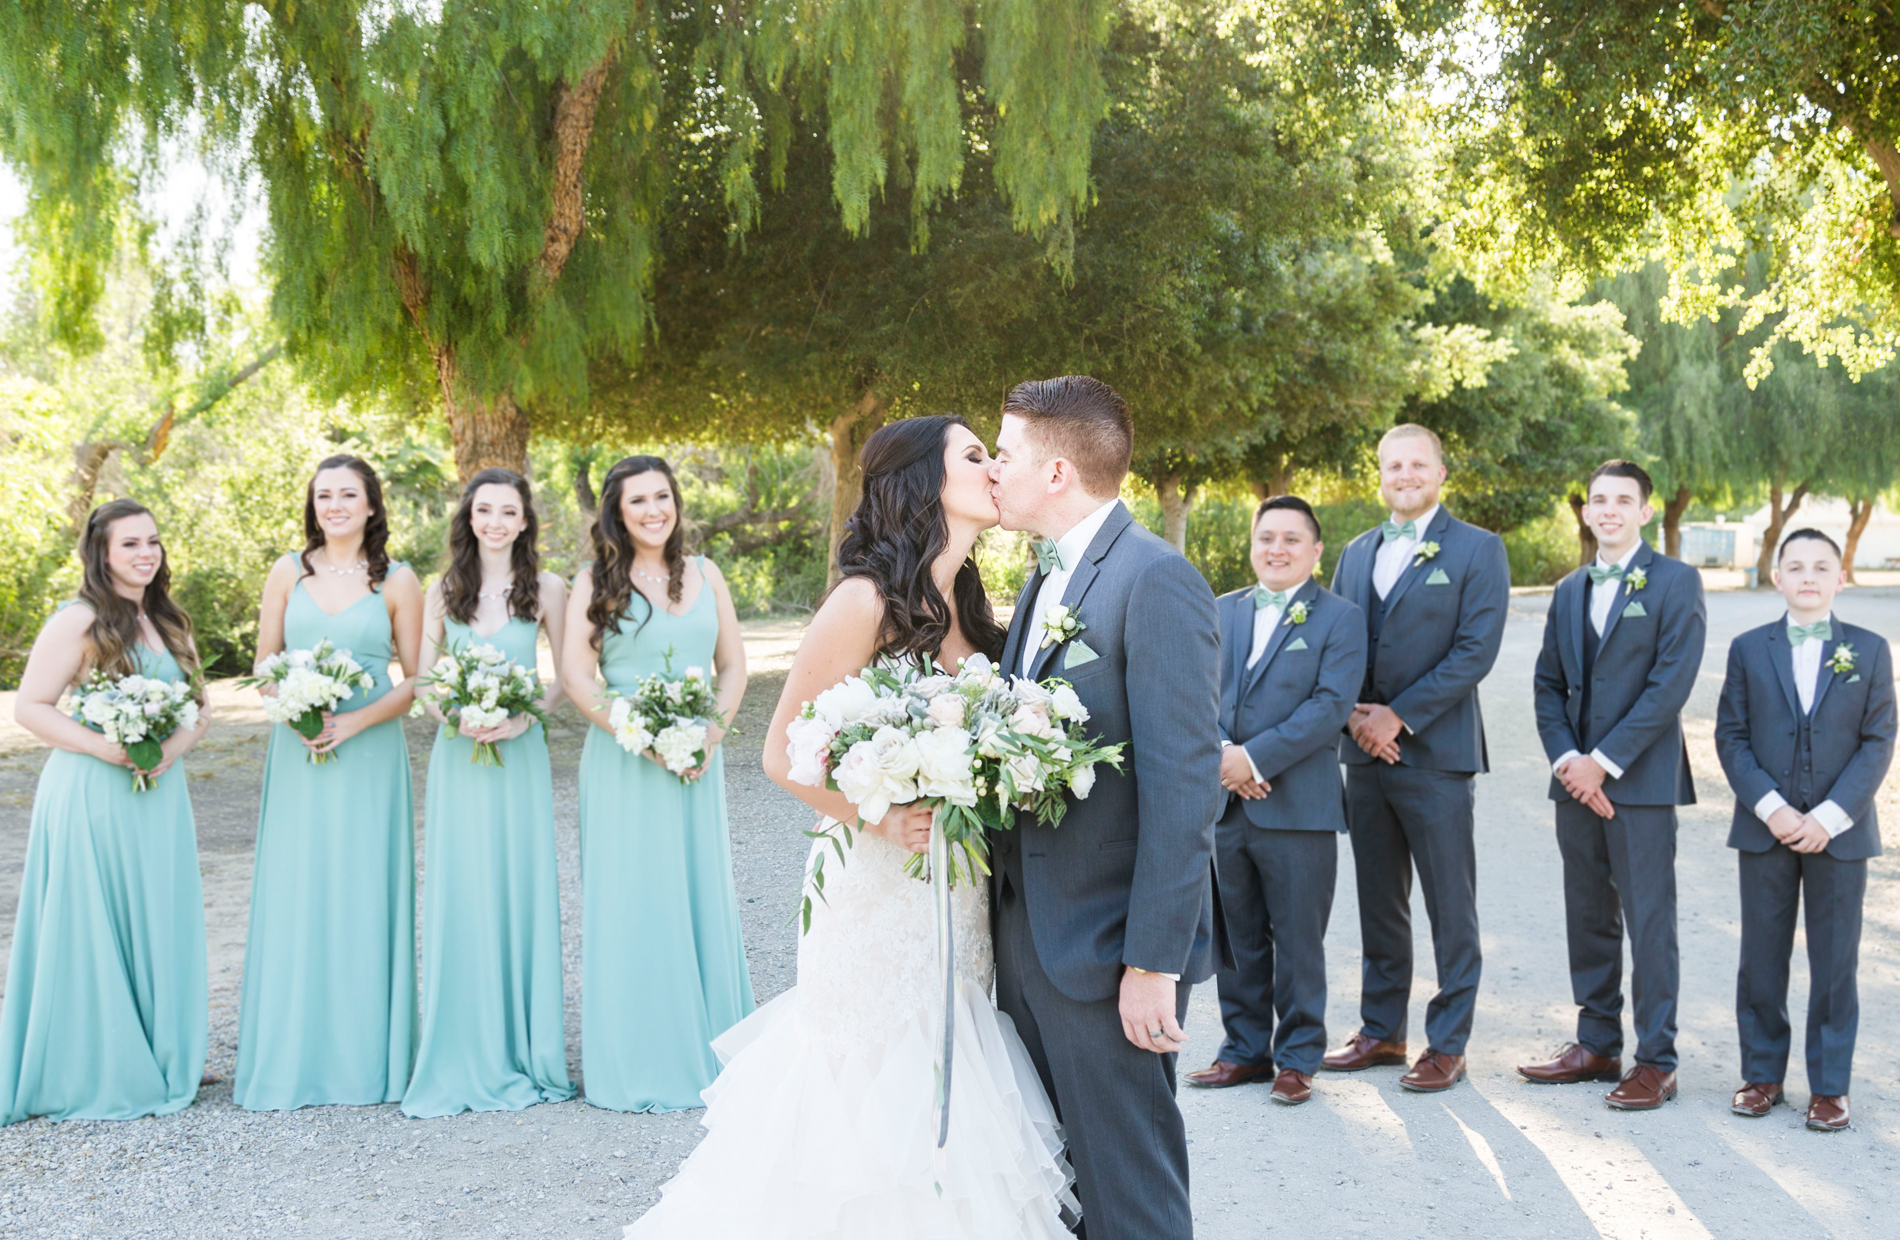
{"x":823,"y":1121}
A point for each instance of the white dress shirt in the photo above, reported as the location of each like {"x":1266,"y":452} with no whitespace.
{"x":1069,"y":548}
{"x":1602,"y":598}
{"x":1807,"y":675}
{"x":1393,"y":558}
{"x":1265,"y":620}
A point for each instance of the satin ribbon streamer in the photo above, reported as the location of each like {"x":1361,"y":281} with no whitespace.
{"x":946,"y":965}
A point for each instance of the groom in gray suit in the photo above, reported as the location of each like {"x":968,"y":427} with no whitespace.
{"x":1103,"y":923}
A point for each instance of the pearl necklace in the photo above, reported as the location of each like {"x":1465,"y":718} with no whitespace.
{"x":501,"y":593}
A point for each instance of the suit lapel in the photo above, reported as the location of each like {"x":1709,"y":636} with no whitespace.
{"x":1357,"y":584}
{"x":1572,"y":614}
{"x":1080,"y":580}
{"x":1781,"y":654}
{"x":1434,"y":533}
{"x":1824,"y":677}
{"x":1020,"y":621}
{"x":1640,"y":560}
{"x":1238,"y":636}
{"x":1282,"y":632}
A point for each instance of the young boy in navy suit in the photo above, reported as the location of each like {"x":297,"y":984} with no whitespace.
{"x":1805,"y":732}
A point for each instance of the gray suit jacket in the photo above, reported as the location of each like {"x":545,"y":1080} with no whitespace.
{"x":1645,"y":667}
{"x":1287,"y":709}
{"x":1127,"y":878}
{"x":1443,"y":626}
{"x":1850,"y":734}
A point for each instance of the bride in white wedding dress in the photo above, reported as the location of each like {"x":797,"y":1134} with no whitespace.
{"x":823,"y":1121}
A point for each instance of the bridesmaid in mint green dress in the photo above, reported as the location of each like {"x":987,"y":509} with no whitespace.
{"x":328,"y":1010}
{"x":494,"y":1035}
{"x":663,"y":968}
{"x":105,"y":1009}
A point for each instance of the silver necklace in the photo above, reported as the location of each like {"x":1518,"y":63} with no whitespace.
{"x":501,"y":593}
{"x":351,"y":571}
{"x":658,"y":581}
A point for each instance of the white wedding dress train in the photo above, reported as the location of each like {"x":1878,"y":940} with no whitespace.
{"x":823,"y":1121}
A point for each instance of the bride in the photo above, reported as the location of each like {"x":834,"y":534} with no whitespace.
{"x":823,"y":1121}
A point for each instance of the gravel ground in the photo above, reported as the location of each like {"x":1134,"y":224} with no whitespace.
{"x":1493,"y":1157}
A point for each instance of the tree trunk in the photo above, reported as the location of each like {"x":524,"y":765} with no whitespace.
{"x":89,"y":461}
{"x":487,"y":430}
{"x":849,"y":430}
{"x":1177,"y":502}
{"x":1277,"y":480}
{"x":1771,"y":537}
{"x":1586,"y":537}
{"x":1859,"y":512}
{"x":1672,"y":522}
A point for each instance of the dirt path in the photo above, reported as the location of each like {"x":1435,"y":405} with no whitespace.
{"x":1494,"y":1157}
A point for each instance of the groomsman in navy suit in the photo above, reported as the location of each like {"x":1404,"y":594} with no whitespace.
{"x":1805,"y":732}
{"x":1293,"y":655}
{"x":1435,"y":592}
{"x":1622,"y":645}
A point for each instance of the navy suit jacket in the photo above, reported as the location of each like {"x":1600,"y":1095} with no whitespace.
{"x":1851,"y":731}
{"x":1645,"y":668}
{"x":1287,"y":709}
{"x":1444,"y":623}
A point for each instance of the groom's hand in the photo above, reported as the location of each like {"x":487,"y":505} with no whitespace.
{"x":1147,"y":1011}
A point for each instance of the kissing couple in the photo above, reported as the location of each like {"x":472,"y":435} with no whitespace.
{"x":824,"y":1120}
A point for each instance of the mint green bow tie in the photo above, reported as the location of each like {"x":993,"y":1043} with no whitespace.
{"x":1599,"y":574}
{"x":1264,"y":598}
{"x":1798,"y":633}
{"x":1392,"y":531}
{"x":1048,"y":559}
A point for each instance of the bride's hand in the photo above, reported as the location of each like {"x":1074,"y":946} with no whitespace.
{"x":907,"y":826}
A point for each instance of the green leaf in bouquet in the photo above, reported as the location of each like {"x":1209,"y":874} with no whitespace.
{"x":308,"y":725}
{"x":147,"y":753}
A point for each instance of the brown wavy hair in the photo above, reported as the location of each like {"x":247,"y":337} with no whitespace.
{"x":898,"y":531}
{"x":462,"y":581}
{"x":613,"y":549}
{"x":114,"y":635}
{"x":375,"y":530}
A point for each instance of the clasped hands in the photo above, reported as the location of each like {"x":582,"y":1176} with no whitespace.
{"x":1802,"y":833}
{"x":1236,"y":774}
{"x":1375,"y":729}
{"x":1582,"y":777}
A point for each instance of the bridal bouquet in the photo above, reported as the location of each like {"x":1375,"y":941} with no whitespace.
{"x":977,"y":746}
{"x":480,"y":687}
{"x":309,"y":682}
{"x":667,"y":714}
{"x":137,"y":713}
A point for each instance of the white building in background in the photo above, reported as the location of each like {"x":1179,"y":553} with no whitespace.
{"x":1735,"y":544}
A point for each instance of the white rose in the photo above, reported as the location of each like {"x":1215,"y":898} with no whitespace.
{"x":695,"y":673}
{"x":1067,"y":705}
{"x":679,"y":744}
{"x":97,"y":709}
{"x":1028,"y":692}
{"x":846,"y":702}
{"x":1026,"y":771}
{"x":863,"y":783}
{"x":808,"y":745}
{"x":1082,"y":782}
{"x":946,"y":711}
{"x":188,"y":716}
{"x":944,"y":767}
{"x":1032,"y":719}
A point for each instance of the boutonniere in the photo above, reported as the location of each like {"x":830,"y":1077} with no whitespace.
{"x":1636,"y":579}
{"x":1296,"y":614}
{"x":1842,"y":660}
{"x":1058,"y":625}
{"x":1424,"y":552}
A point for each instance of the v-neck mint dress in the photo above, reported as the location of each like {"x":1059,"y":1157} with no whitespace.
{"x":329,"y":1006}
{"x":663,"y":968}
{"x":105,"y":1009}
{"x":494,"y":1035}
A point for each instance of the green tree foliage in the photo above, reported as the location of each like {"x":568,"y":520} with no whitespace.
{"x":469,"y":197}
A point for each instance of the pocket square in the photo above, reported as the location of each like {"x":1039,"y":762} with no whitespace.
{"x":1634,"y":609}
{"x":1298,"y":643}
{"x":1077,"y":654}
{"x":1853,"y":678}
{"x":1438,"y":578}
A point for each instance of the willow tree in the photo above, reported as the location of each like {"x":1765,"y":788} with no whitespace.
{"x":467,"y":196}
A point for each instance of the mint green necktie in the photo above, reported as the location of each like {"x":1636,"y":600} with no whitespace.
{"x":1392,"y":531}
{"x":1264,"y":598}
{"x":1048,"y":559}
{"x":1798,"y":633}
{"x":1599,"y":574}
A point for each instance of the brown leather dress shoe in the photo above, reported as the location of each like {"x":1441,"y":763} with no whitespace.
{"x":1644,"y":1088}
{"x":1362,"y":1052}
{"x":1291,"y":1088}
{"x":1434,"y":1072}
{"x":1573,"y":1064}
{"x":1757,"y":1098}
{"x":1827,"y":1113}
{"x":1220,"y":1074}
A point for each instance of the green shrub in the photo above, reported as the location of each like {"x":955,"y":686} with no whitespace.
{"x":1543,"y":551}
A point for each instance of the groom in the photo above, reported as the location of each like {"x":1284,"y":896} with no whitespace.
{"x":1103,"y":922}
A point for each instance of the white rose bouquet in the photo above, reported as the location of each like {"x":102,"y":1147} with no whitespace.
{"x":308,"y":683}
{"x":137,"y":713}
{"x":669,"y":715}
{"x":479,"y":687}
{"x":976,"y":746}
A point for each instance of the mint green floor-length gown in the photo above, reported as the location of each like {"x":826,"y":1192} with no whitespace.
{"x":106,"y":1008}
{"x":494,"y":1034}
{"x":663,"y":968}
{"x":329,"y":1006}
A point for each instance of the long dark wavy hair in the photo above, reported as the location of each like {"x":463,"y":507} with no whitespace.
{"x":375,"y":530}
{"x":898,"y":531}
{"x":114,"y":634}
{"x":462,"y":580}
{"x":613,"y":549}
